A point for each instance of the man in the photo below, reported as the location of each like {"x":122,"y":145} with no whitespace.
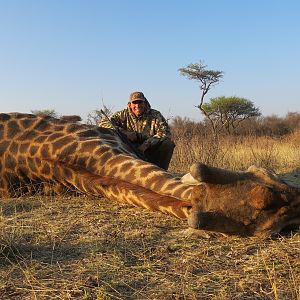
{"x":145,"y":128}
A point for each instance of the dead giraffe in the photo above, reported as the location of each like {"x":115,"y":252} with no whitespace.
{"x":38,"y":151}
{"x":42,"y":151}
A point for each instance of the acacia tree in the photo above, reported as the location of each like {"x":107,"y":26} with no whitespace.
{"x":207,"y":78}
{"x":229,"y":112}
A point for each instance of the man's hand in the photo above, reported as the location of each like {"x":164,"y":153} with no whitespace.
{"x":143,"y":147}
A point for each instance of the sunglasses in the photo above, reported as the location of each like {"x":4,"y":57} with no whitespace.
{"x":137,"y":102}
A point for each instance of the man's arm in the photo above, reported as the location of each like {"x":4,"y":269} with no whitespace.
{"x":111,"y":122}
{"x":117,"y":122}
{"x":161,"y":131}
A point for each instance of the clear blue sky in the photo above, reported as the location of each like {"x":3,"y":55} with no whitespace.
{"x":69,"y":55}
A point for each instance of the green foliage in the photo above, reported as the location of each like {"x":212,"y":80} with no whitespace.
{"x":198,"y":71}
{"x":233,"y":106}
{"x":207,"y":78}
{"x":229,"y":112}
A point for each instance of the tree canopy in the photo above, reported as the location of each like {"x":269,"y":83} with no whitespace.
{"x":229,"y":112}
{"x":207,"y":78}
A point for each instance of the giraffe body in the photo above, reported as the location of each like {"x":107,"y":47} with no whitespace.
{"x":42,"y":154}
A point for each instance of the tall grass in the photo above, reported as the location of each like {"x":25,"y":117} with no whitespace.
{"x":238,"y":152}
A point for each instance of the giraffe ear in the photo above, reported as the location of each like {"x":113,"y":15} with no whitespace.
{"x":213,"y":175}
{"x":200,"y":172}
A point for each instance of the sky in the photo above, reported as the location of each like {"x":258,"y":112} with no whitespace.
{"x":74,"y":56}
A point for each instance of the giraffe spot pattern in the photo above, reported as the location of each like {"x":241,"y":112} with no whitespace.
{"x":48,"y":155}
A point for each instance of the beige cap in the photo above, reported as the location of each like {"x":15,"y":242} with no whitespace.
{"x":137,"y":96}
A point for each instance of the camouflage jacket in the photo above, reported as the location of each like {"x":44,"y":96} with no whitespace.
{"x":151,"y":127}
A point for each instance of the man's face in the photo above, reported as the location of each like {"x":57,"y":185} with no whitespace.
{"x":137,"y":107}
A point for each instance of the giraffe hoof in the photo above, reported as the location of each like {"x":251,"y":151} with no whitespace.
{"x":195,"y":220}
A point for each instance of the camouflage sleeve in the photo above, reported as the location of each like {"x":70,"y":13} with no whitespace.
{"x":114,"y":121}
{"x":104,"y":122}
{"x":162,"y":129}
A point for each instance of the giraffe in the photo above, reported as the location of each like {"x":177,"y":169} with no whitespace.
{"x":38,"y":152}
{"x":41,"y":151}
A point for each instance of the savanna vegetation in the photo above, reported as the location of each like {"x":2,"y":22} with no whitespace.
{"x":92,"y":248}
{"x":270,"y":142}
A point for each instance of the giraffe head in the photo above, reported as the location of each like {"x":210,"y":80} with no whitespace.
{"x":255,"y":202}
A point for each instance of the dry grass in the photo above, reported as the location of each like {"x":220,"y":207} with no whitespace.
{"x":85,"y":248}
{"x":94,"y":249}
{"x":238,"y":153}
